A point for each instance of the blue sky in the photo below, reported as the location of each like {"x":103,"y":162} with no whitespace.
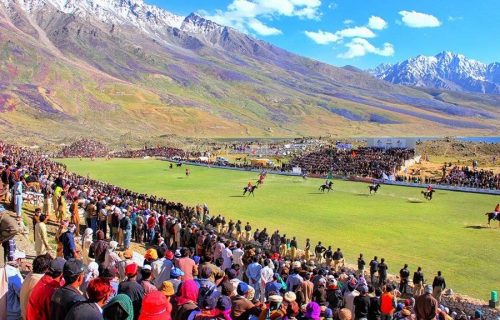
{"x":363,"y":33}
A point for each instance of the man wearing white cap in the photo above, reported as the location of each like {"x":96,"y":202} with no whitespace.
{"x":15,"y":282}
{"x":426,"y":306}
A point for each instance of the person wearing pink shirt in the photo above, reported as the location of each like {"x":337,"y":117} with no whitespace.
{"x":187,"y":265}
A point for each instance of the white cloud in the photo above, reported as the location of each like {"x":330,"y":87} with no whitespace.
{"x":332,"y":6}
{"x":415,"y":19}
{"x":348,"y":21}
{"x":359,"y":47}
{"x":453,"y":19}
{"x":376,"y":23}
{"x":325,"y":37}
{"x":246,"y":15}
{"x":262,"y":29}
{"x":322,"y":37}
{"x":361,"y":32}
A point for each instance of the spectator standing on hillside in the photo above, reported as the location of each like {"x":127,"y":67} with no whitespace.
{"x":318,"y":251}
{"x":404,"y":274}
{"x":438,"y":285}
{"x":426,"y":306}
{"x":68,"y":242}
{"x":373,"y":269}
{"x":387,"y":303}
{"x":248,"y":228}
{"x":307,"y":249}
{"x":418,"y":282}
{"x":382,"y":272}
{"x":361,"y":265}
{"x":41,"y":238}
{"x":18,"y":196}
{"x":338,"y":258}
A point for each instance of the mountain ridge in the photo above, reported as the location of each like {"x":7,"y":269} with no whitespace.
{"x":143,"y":77}
{"x":445,"y":70}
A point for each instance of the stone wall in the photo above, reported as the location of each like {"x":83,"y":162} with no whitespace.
{"x":468,"y":305}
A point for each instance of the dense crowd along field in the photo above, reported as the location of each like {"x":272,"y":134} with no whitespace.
{"x":448,"y":233}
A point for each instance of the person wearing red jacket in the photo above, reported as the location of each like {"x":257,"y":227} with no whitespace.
{"x":39,"y":301}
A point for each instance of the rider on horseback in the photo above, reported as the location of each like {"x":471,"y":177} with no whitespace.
{"x":496,"y":211}
{"x":429,"y":188}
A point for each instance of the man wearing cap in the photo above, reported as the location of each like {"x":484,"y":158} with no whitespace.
{"x":15,"y":282}
{"x":146,"y":279}
{"x":175,"y":278}
{"x":131,"y":288}
{"x":65,"y":297}
{"x":426,"y":306}
{"x":39,"y":301}
{"x":242,"y":307}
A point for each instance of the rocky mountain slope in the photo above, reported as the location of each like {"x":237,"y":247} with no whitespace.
{"x":445,"y":70}
{"x":123,"y":70}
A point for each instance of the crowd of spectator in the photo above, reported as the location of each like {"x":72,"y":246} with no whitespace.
{"x":164,"y":152}
{"x":466,"y":176}
{"x":362,"y":162}
{"x":85,"y":148}
{"x":197,"y":265}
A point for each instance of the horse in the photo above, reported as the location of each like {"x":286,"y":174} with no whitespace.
{"x":179,"y":164}
{"x":428,"y":194}
{"x":326,"y":186}
{"x":491,"y":216}
{"x":250,"y":190}
{"x":374,"y":188}
{"x":259,"y":182}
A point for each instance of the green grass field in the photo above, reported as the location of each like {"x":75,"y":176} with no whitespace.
{"x":448,"y":234}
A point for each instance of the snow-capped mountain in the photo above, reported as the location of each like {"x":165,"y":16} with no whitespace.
{"x":445,"y":70}
{"x":135,"y":13}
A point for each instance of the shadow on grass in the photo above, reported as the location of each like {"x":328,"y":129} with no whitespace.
{"x":363,"y":194}
{"x":237,"y":196}
{"x":476,"y":227}
{"x":316,"y":193}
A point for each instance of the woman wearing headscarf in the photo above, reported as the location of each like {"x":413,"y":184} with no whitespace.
{"x":112,"y":258}
{"x":91,"y":273}
{"x":86,"y":243}
{"x":119,"y":308}
{"x":186,"y":302}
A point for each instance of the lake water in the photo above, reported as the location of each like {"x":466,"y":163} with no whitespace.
{"x":480,"y":139}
